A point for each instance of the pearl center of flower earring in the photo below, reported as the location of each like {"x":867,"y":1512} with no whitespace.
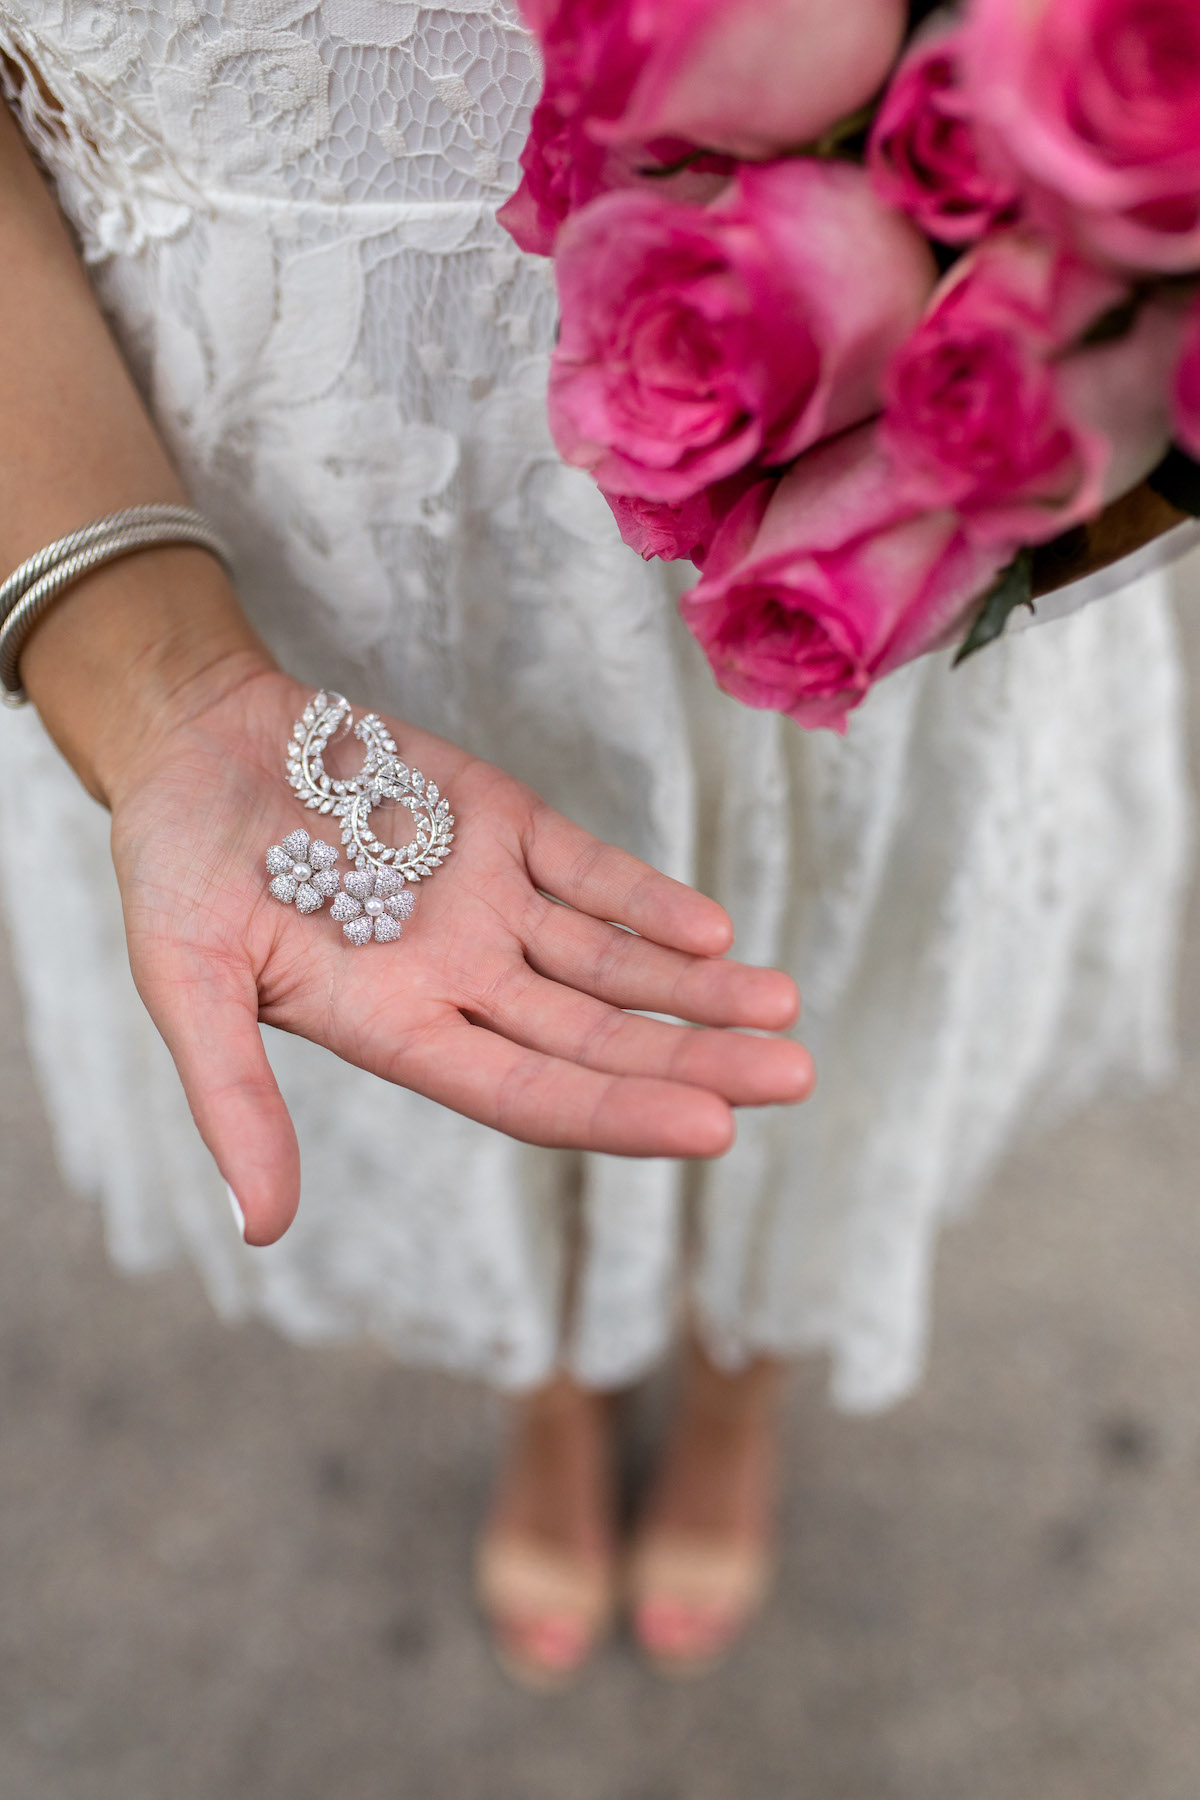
{"x":301,"y":871}
{"x":373,"y":908}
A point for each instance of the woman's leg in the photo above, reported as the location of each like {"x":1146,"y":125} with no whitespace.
{"x":548,"y":1553}
{"x":703,"y":1546}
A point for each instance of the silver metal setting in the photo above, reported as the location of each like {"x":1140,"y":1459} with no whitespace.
{"x":383,"y":776}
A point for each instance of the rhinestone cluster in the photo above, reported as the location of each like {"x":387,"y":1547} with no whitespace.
{"x":302,"y":871}
{"x":372,"y":905}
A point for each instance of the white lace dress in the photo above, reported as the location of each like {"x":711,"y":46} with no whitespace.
{"x":287,"y":209}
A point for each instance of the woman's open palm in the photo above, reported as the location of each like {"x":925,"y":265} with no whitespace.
{"x":497,"y":1002}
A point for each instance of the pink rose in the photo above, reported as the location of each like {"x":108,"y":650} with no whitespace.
{"x":754,"y":77}
{"x":1187,"y":389}
{"x":734,"y":75}
{"x":994,"y":410}
{"x":681,"y":533}
{"x":817,"y":587}
{"x":924,"y":154}
{"x":1096,"y":103}
{"x":697,"y":341}
{"x":563,"y":168}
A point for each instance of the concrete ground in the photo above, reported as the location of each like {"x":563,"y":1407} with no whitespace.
{"x":235,"y":1570}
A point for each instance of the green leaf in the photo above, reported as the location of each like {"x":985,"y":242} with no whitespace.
{"x":845,"y":141}
{"x":841,"y":137}
{"x":1177,"y":479}
{"x":1013,"y":588}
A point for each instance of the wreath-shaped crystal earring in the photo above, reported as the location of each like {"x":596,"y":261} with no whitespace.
{"x":375,"y":897}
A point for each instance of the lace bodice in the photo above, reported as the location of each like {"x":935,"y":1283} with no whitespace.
{"x":342,"y":101}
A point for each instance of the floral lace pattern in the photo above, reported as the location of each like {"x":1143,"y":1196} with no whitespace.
{"x":287,"y":209}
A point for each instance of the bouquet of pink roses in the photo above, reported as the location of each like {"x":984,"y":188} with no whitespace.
{"x":860,"y":305}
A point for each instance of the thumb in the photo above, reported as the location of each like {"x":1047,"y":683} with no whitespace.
{"x":207,"y":1012}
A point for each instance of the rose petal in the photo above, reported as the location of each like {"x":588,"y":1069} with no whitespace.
{"x":358,"y":931}
{"x":284,"y":888}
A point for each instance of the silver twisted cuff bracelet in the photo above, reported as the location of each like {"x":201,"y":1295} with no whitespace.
{"x":30,"y":590}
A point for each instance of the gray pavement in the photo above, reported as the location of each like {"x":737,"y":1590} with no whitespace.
{"x":233,"y":1569}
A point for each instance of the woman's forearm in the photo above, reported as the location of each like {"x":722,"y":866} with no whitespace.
{"x":162,"y":626}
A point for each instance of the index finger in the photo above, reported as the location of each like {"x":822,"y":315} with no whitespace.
{"x":570,"y":864}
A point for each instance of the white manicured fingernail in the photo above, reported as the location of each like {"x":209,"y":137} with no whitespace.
{"x":239,"y":1217}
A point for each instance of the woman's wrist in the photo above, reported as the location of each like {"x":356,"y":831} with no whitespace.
{"x":132,"y":653}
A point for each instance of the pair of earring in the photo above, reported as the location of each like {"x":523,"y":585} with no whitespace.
{"x":367,"y":903}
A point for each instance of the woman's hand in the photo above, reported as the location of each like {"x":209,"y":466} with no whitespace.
{"x":497,"y":1003}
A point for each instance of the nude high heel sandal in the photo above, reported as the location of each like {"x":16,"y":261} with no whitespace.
{"x":690,"y":1598}
{"x":548,"y":1612}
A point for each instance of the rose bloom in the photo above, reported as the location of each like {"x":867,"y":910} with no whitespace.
{"x":924,"y":152}
{"x":738,"y":76}
{"x":1096,"y":104}
{"x":563,"y":168}
{"x":681,"y":533}
{"x":998,"y":407}
{"x":1187,"y":389}
{"x":695,"y":341}
{"x":822,"y":582}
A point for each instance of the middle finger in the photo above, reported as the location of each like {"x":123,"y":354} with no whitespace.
{"x":560,"y":1021}
{"x":631,"y":971}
